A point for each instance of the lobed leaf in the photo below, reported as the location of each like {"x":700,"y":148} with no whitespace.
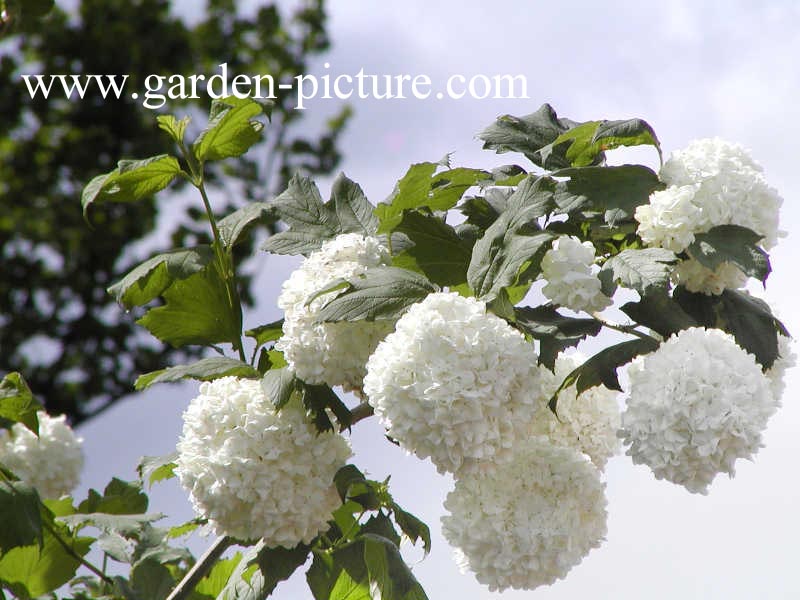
{"x":206,"y":369}
{"x":150,"y":279}
{"x":239,"y":222}
{"x":231,"y":129}
{"x":20,"y":516}
{"x":311,"y":222}
{"x":131,"y":181}
{"x":18,"y":404}
{"x":733,"y":244}
{"x":380,"y":293}
{"x":438,"y":251}
{"x":645,"y":270}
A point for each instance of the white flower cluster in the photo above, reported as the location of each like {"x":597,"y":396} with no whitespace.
{"x":567,"y":268}
{"x":254,"y":473}
{"x":711,"y":182}
{"x":454,"y":383}
{"x":587,"y":422}
{"x":527,"y":523}
{"x":51,"y":463}
{"x":696,"y":405}
{"x":331,"y":353}
{"x":786,"y":360}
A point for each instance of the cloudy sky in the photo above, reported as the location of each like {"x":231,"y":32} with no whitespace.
{"x":691,"y":69}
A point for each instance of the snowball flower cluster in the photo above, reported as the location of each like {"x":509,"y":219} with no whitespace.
{"x":567,"y":268}
{"x":696,"y":405}
{"x":786,"y":360}
{"x":51,"y":463}
{"x":454,"y":383}
{"x":587,"y":422}
{"x":331,"y":353}
{"x":528,"y":522}
{"x":710,"y":183}
{"x":254,"y":473}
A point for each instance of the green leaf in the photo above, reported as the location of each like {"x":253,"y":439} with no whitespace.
{"x":367,"y":568}
{"x":748,"y":319}
{"x":173,"y":127}
{"x":123,"y":524}
{"x":645,"y":270}
{"x":410,"y":192}
{"x":602,"y":367}
{"x":588,"y":142}
{"x":311,"y":223}
{"x":660,"y":313}
{"x":614,"y":192}
{"x":279,"y":385}
{"x":733,"y":244}
{"x":212,"y":584}
{"x":438,"y":251}
{"x":43,"y":569}
{"x":380,"y":524}
{"x":260,"y":570}
{"x":197,"y":311}
{"x":151,"y":278}
{"x":554,"y":331}
{"x":152,"y":580}
{"x":422,"y":187}
{"x":412,"y":527}
{"x":263,"y":334}
{"x":17,"y":403}
{"x":131,"y":181}
{"x":231,"y":129}
{"x":530,"y":135}
{"x":206,"y":369}
{"x":353,"y":210}
{"x":20,"y":516}
{"x":380,"y":293}
{"x":513,"y":244}
{"x":236,"y":224}
{"x":277,"y":564}
{"x":119,"y":498}
{"x":153,"y":469}
{"x":318,"y":399}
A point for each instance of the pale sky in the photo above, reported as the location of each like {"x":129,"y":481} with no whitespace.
{"x":691,"y":69}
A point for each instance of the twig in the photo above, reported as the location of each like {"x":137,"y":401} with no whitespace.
{"x":361,"y":412}
{"x":200,"y":568}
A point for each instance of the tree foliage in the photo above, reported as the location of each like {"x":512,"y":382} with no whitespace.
{"x":77,"y":349}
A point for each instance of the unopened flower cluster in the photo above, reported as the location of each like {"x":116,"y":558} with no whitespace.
{"x":696,"y":405}
{"x":567,"y":268}
{"x":330,"y":353}
{"x":51,"y":462}
{"x":254,"y":473}
{"x":710,"y":183}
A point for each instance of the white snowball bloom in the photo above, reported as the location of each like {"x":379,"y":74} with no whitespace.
{"x":454,"y":383}
{"x":567,"y":268}
{"x":587,"y":422}
{"x":696,"y":405}
{"x":731,"y":188}
{"x":671,"y":218}
{"x":254,"y":473}
{"x":52,"y":462}
{"x":527,"y":523}
{"x":700,"y":279}
{"x":332,"y":353}
{"x":786,"y":360}
{"x":711,"y":182}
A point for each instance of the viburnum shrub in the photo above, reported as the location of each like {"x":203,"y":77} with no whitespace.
{"x":427,"y":308}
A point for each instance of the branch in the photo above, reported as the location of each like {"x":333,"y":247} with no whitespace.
{"x":200,"y":568}
{"x":629,"y":329}
{"x":361,"y":412}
